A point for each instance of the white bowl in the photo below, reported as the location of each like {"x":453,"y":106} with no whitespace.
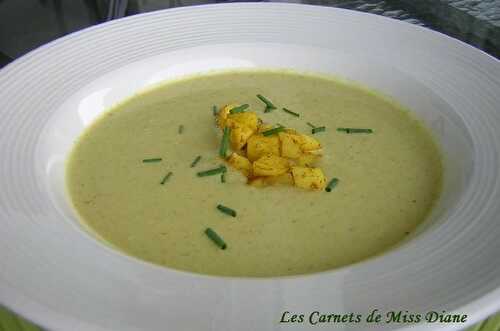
{"x":56,"y":274}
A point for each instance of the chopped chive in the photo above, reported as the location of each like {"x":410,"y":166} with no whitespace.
{"x":354,"y":130}
{"x":224,"y":142}
{"x":239,"y":109}
{"x":291,"y":112}
{"x":167,"y":176}
{"x":318,"y":129}
{"x":331,"y":184}
{"x":223,"y":177}
{"x":215,"y":238}
{"x":181,"y":129}
{"x":273,"y":131}
{"x":156,"y":159}
{"x":195,"y":161}
{"x":269,"y":104}
{"x":311,"y":125}
{"x":212,"y":172}
{"x":214,"y":110}
{"x":227,"y":210}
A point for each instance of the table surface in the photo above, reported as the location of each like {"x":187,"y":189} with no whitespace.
{"x":27,"y":24}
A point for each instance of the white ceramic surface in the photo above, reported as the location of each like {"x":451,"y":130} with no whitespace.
{"x":56,"y":274}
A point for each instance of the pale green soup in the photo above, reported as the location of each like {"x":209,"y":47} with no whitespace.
{"x":388,"y":180}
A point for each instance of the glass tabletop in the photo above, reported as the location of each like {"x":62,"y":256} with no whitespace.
{"x":27,"y":24}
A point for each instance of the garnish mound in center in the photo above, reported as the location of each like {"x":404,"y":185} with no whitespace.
{"x":267,"y":154}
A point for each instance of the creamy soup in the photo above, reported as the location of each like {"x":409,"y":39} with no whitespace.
{"x":158,"y":210}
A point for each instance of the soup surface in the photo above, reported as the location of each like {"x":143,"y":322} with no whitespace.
{"x":388,"y":179}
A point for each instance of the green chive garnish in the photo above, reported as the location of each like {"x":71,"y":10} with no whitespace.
{"x":269,"y":104}
{"x":223,"y":177}
{"x":318,"y":129}
{"x":273,"y":131}
{"x":215,"y":238}
{"x":224,"y":142}
{"x":311,"y":125}
{"x":181,"y":129}
{"x":195,"y":161}
{"x":212,"y":172}
{"x":214,"y":110}
{"x":331,"y":184}
{"x":157,"y":159}
{"x":354,"y":130}
{"x":167,"y":176}
{"x":239,"y":109}
{"x":226,"y":210}
{"x":291,"y":112}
